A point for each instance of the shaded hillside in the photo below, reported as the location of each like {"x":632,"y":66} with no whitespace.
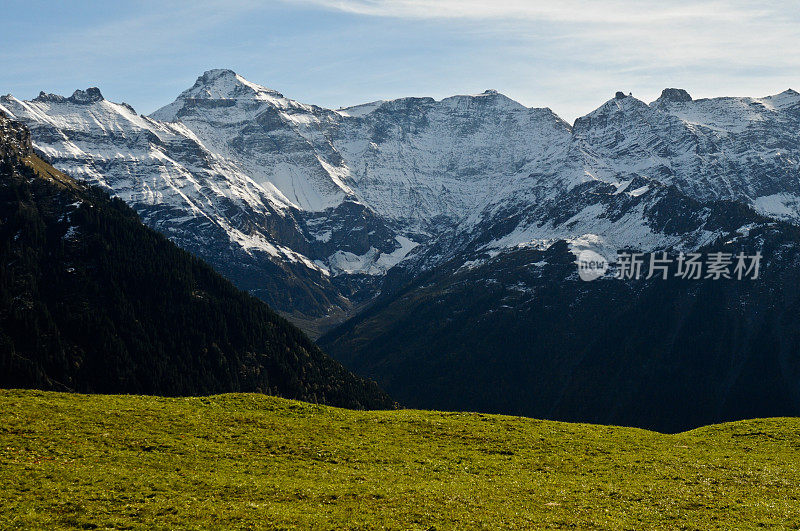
{"x":92,"y":301}
{"x":520,"y":334}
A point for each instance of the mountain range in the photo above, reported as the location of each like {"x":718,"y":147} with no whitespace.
{"x":317,"y":204}
{"x":447,"y":232}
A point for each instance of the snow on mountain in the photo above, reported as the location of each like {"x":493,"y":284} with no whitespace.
{"x":357,"y":111}
{"x":278,"y":142}
{"x":740,"y":149}
{"x":144,"y":162}
{"x":427,"y":164}
{"x":721,"y":148}
{"x":309,"y":207}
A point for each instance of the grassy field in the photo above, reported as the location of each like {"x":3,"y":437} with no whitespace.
{"x":256,"y":462}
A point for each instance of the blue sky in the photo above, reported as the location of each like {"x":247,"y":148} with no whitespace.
{"x":570,"y":55}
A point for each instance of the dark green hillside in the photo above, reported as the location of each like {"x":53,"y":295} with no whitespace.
{"x":257,"y":462}
{"x":92,"y":301}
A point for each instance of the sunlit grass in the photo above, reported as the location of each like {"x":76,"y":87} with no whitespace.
{"x":252,"y":461}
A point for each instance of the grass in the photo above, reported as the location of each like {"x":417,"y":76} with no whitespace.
{"x":257,"y":462}
{"x":49,"y":173}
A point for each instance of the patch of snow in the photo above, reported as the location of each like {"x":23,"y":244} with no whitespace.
{"x":7,"y":112}
{"x":372,"y":262}
{"x":783,"y":206}
{"x":324,"y":237}
{"x":358,"y":111}
{"x":71,"y":233}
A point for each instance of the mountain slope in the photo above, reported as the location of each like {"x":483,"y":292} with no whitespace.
{"x":492,"y":316}
{"x":519,"y":333}
{"x":276,"y":193}
{"x":200,"y":200}
{"x":93,"y":301}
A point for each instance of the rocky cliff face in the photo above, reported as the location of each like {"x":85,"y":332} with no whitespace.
{"x":16,"y":139}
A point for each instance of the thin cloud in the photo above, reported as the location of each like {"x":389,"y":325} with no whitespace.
{"x":729,"y":45}
{"x":572,"y":11}
{"x":687,"y":33}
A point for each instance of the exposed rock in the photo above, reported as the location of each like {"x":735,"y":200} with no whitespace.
{"x":90,"y":95}
{"x":674,"y":94}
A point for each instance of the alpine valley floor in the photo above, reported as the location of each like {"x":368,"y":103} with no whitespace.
{"x":249,"y":461}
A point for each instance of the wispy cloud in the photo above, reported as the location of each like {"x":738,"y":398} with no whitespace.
{"x":716,"y":47}
{"x":677,"y":31}
{"x":575,"y":11}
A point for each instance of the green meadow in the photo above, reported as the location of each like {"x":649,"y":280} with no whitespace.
{"x":249,"y":461}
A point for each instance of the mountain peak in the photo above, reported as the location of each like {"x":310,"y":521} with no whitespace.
{"x":486,"y":99}
{"x":215,"y":84}
{"x":674,"y":94}
{"x":787,"y":99}
{"x":211,"y":76}
{"x":620,"y":102}
{"x":90,"y":95}
{"x":223,"y":83}
{"x":47,"y":97}
{"x":788,"y":93}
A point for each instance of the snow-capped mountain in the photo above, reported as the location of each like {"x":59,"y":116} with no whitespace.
{"x":632,"y":175}
{"x":278,"y":142}
{"x":723,"y":148}
{"x":285,"y":240}
{"x":309,"y":208}
{"x":427,"y":164}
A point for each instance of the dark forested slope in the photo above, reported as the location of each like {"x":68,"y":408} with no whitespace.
{"x":520,"y":334}
{"x":92,"y":301}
